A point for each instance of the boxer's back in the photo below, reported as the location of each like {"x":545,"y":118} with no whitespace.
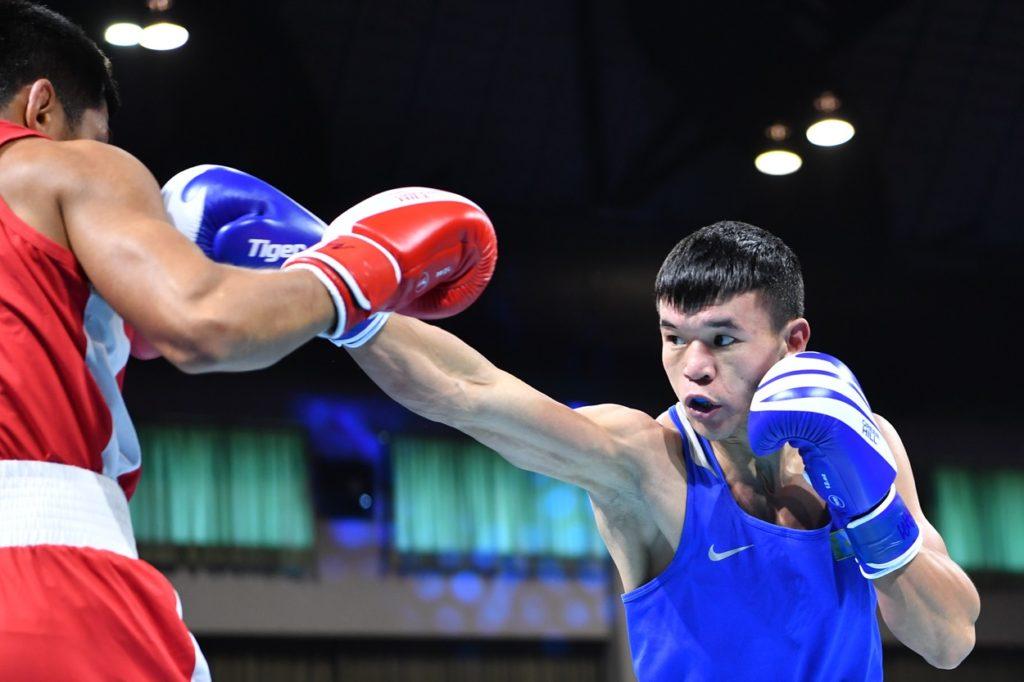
{"x":64,"y":349}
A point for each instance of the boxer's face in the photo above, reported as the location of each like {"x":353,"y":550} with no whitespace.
{"x":715,"y":358}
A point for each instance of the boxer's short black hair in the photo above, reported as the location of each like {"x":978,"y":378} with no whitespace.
{"x":729,"y":258}
{"x":36,"y":42}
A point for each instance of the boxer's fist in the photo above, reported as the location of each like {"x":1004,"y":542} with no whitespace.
{"x":814,"y":402}
{"x":238,"y":219}
{"x":418,"y":251}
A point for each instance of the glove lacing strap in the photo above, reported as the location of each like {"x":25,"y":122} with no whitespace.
{"x":885,"y":539}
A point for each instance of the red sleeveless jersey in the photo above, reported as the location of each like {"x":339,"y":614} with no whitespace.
{"x":63,"y":350}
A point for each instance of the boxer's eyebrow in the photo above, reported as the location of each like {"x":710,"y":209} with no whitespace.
{"x":720,"y":323}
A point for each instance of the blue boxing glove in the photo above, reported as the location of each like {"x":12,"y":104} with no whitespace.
{"x":238,"y":219}
{"x":814,"y":402}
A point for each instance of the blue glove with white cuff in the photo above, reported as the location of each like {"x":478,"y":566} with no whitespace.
{"x":238,"y":219}
{"x":814,"y":402}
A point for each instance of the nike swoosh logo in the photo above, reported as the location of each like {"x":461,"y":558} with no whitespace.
{"x":718,"y":556}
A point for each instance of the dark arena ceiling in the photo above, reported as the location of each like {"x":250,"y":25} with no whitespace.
{"x":597,"y":134}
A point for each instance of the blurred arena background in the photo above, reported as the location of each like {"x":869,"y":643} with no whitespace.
{"x":317,"y":532}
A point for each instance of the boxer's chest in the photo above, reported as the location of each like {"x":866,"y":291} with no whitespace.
{"x":791,"y":503}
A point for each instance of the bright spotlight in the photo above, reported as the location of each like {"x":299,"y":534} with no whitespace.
{"x":830,"y":132}
{"x":123,"y":34}
{"x":778,"y":162}
{"x":163,"y":36}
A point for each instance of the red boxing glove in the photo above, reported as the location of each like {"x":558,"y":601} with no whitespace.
{"x":414,"y":250}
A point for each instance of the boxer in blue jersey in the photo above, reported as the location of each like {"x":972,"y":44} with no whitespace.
{"x":756,"y":525}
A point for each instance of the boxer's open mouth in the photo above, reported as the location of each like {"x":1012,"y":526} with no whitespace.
{"x":701,"y":404}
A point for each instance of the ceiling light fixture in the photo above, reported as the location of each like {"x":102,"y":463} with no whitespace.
{"x":778,"y":160}
{"x":163,"y":36}
{"x":123,"y":34}
{"x":831,"y":130}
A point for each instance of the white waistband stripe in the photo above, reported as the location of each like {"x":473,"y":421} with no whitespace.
{"x":42,"y":503}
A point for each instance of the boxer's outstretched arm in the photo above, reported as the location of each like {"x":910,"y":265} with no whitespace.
{"x":200,"y":315}
{"x":439,"y":377}
{"x":930,"y":604}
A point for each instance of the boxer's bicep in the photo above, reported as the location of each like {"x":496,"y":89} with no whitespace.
{"x":907,"y":488}
{"x":120,"y":234}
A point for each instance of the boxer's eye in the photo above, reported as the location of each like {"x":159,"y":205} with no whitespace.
{"x":724,"y":340}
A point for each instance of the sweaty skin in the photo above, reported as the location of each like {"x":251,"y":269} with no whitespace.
{"x":631,"y":465}
{"x":104,"y":205}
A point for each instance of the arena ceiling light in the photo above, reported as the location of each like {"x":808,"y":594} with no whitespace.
{"x":158,"y":35}
{"x":123,"y":34}
{"x":778,"y":160}
{"x":163,"y":36}
{"x":832,"y":130}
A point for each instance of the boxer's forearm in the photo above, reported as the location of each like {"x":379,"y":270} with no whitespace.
{"x":248,"y":320}
{"x":931,"y":606}
{"x":426,"y":369}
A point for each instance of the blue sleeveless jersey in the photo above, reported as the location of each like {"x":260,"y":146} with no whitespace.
{"x":744,"y":599}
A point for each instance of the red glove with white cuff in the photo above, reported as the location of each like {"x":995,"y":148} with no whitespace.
{"x":421,"y":252}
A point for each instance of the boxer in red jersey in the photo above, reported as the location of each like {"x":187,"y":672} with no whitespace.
{"x":86,"y":246}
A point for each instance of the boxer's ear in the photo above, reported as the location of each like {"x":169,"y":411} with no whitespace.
{"x":44,"y":111}
{"x":796,"y":333}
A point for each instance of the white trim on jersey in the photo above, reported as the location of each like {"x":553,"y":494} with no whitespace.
{"x":106,"y":354}
{"x":696,"y":450}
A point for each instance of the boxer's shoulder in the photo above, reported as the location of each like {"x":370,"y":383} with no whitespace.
{"x":45,"y":181}
{"x":618,"y":418}
{"x":54,"y":166}
{"x":652,"y":448}
{"x":637,"y":432}
{"x":29,"y":176}
{"x":90,"y":179}
{"x":91,"y":163}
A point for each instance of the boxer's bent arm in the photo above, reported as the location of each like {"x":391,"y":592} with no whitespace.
{"x":930,"y":605}
{"x":200,"y":315}
{"x":436,"y":375}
